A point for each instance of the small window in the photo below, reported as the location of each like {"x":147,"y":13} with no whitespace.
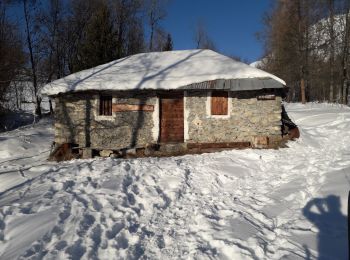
{"x":219,"y":103}
{"x":105,"y":105}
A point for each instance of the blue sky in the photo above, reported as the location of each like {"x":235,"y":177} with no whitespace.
{"x":231,"y":24}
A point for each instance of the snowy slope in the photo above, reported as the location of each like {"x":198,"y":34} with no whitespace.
{"x":157,"y":70}
{"x":242,"y":204}
{"x":320,"y":36}
{"x":24,"y":99}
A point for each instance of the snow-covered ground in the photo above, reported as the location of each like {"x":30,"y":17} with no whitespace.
{"x":243,"y":204}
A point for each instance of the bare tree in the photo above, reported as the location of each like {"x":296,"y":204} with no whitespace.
{"x":332,"y":48}
{"x":76,"y":24}
{"x":297,"y":46}
{"x":31,"y":34}
{"x":284,"y":45}
{"x":135,"y":42}
{"x":345,"y":55}
{"x":155,"y":13}
{"x":201,"y":37}
{"x":53,"y":40}
{"x":128,"y":26}
{"x":11,"y":55}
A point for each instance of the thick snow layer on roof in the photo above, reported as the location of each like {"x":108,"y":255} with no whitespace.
{"x":256,"y":64}
{"x":157,"y":70}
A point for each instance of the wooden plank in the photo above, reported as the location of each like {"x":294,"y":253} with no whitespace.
{"x":106,"y":105}
{"x":219,"y":103}
{"x":129,"y":107}
{"x":172,"y":119}
{"x":219,"y":145}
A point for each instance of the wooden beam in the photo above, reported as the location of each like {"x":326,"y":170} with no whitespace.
{"x":219,"y":145}
{"x":266,"y":97}
{"x":129,"y":107}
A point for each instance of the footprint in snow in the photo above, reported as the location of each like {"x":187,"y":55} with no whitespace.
{"x":2,"y":228}
{"x":57,"y":230}
{"x":127,"y":167}
{"x":61,"y":245}
{"x":135,"y":189}
{"x":34,"y":252}
{"x":133,"y":228}
{"x":131,"y":199}
{"x":50,"y":193}
{"x":67,"y":185}
{"x":160,"y":242}
{"x":85,"y":224}
{"x":122,"y":242}
{"x":96,"y":205}
{"x":127,"y":181}
{"x":65,"y":213}
{"x":96,"y":237}
{"x":117,"y":227}
{"x":77,"y":250}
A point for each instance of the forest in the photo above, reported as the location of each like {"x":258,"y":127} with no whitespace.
{"x":62,"y":37}
{"x":306,"y":43}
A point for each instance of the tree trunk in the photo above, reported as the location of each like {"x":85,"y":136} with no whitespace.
{"x":302,"y":90}
{"x":345,"y":58}
{"x":331,"y":59}
{"x":17,"y":96}
{"x":32,"y":61}
{"x":345,"y":92}
{"x":301,"y":53}
{"x":152,"y":32}
{"x":151,"y":40}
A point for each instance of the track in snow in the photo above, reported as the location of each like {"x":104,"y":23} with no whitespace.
{"x":247,"y":204}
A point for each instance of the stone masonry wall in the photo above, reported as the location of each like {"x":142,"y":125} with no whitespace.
{"x":77,"y":121}
{"x":248,"y":118}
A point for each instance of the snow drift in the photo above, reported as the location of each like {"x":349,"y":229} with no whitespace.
{"x":241,"y":204}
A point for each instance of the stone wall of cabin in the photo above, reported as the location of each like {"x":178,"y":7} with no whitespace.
{"x":77,"y":121}
{"x":249,"y":118}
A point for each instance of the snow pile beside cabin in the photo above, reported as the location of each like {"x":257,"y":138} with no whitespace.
{"x":158,"y":70}
{"x":242,"y":204}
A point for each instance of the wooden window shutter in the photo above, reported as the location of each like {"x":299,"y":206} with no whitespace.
{"x":219,"y":103}
{"x":105,"y":105}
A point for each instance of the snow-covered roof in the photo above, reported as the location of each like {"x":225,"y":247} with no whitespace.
{"x":158,"y":71}
{"x":256,"y":64}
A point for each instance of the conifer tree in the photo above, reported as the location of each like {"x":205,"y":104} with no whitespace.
{"x":99,"y":43}
{"x":168,"y":44}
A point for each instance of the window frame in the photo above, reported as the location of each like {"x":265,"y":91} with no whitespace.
{"x":96,"y":109}
{"x":102,"y":110}
{"x":209,"y":105}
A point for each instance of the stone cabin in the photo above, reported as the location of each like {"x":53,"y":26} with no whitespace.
{"x":197,"y":99}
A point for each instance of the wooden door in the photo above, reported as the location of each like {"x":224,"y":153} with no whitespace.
{"x":172,"y":119}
